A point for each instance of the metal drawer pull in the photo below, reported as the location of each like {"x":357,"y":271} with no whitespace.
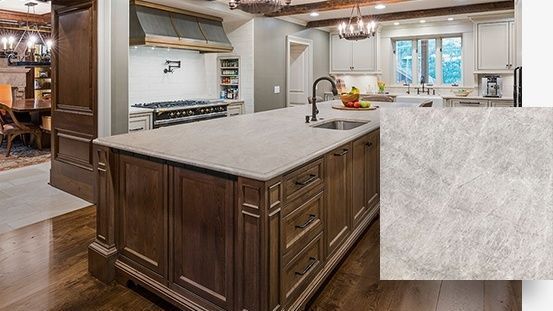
{"x":310,"y":179}
{"x":308,"y":222}
{"x":343,"y":153}
{"x":469,"y":103}
{"x":313,"y":262}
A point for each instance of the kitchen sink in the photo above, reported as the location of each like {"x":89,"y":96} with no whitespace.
{"x":341,"y":125}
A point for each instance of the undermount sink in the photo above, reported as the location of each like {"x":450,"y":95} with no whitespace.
{"x":341,"y":125}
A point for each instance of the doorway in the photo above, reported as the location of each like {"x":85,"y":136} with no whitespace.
{"x":299,"y":70}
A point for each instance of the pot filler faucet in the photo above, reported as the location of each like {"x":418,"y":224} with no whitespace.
{"x":315,"y":111}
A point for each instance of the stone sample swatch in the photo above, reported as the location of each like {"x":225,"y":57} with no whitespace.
{"x":466,"y":194}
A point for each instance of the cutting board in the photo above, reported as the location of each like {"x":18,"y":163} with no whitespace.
{"x":342,"y":107}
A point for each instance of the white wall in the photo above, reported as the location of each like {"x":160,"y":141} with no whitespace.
{"x":241,"y":36}
{"x":148,"y":83}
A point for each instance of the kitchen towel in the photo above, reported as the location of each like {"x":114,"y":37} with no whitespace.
{"x":466,"y":194}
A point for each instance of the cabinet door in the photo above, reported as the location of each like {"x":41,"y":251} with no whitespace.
{"x":142,"y":215}
{"x":366,"y":176}
{"x":202,"y":230}
{"x":364,"y":55}
{"x":493,"y":46}
{"x":338,"y":193}
{"x":341,"y":54}
{"x":512,"y":46}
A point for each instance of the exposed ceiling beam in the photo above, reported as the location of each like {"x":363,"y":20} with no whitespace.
{"x":24,"y":17}
{"x":329,"y":6}
{"x":455,"y":10}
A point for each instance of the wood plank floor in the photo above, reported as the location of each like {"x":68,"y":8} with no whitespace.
{"x":44,"y":267}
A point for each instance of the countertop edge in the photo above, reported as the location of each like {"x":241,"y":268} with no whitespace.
{"x":240,"y":172}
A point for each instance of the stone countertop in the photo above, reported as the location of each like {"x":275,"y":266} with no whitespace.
{"x":260,"y":146}
{"x":477,"y":97}
{"x":471,"y":203}
{"x":136,"y":110}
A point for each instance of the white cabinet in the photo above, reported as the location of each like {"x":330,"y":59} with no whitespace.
{"x":353,"y":56}
{"x":141,"y":121}
{"x":501,"y":103}
{"x":340,"y":54}
{"x":496,"y":46}
{"x":235,"y":108}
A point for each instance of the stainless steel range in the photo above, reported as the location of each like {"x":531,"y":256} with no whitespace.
{"x":185,"y":111}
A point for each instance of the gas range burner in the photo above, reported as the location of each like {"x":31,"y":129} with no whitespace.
{"x":176,"y":104}
{"x":185,"y":111}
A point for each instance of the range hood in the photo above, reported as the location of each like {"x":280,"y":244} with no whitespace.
{"x":161,"y":26}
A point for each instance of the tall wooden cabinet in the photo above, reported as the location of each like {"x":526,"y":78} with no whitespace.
{"x":74,"y":95}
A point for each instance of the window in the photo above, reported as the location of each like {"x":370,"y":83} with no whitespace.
{"x":404,"y":61}
{"x":427,"y":61}
{"x":435,"y":61}
{"x":452,"y":51}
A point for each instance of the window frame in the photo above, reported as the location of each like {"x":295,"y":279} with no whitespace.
{"x":439,"y":58}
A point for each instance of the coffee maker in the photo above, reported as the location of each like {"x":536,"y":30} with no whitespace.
{"x":492,"y":86}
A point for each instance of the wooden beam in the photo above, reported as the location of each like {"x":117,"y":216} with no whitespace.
{"x":455,"y":10}
{"x":24,"y":17}
{"x":329,"y":6}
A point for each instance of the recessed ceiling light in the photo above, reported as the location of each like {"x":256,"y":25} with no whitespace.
{"x":422,"y":21}
{"x":380,"y":6}
{"x":396,"y":23}
{"x":450,"y":19}
{"x":314,"y":14}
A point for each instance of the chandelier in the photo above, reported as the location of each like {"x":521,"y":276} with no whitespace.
{"x":259,"y":6}
{"x":356,"y":29}
{"x":37,"y":50}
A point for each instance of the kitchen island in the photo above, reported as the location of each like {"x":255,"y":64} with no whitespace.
{"x":244,"y":213}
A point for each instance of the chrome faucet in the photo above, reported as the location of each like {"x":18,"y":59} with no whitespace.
{"x":315,"y":111}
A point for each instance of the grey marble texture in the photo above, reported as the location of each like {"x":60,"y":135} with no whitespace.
{"x":467,"y":194}
{"x":260,"y":146}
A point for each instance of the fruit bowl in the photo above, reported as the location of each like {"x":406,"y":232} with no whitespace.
{"x":462,"y":93}
{"x":347,"y":98}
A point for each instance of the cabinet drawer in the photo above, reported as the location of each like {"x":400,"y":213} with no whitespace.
{"x":469,"y":103}
{"x":234,"y":111}
{"x":300,"y":181}
{"x":303,"y":224}
{"x":302,"y":268}
{"x":139,"y":123}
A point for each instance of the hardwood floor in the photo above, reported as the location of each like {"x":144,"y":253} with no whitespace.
{"x":44,"y":267}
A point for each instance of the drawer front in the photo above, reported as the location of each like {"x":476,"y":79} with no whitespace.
{"x":234,"y":111}
{"x":303,"y":180}
{"x":301,"y":270}
{"x":469,"y":103}
{"x":139,"y":124}
{"x":303,"y":224}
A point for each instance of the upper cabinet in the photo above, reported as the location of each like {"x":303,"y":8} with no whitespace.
{"x":353,"y":56}
{"x":496,"y":46}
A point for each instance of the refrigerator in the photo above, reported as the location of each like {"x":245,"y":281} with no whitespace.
{"x":517,"y":95}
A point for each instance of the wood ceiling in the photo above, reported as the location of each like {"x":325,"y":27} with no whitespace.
{"x":394,"y":16}
{"x":24,"y":17}
{"x":329,"y":6}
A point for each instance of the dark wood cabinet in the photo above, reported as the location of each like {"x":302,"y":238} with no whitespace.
{"x":206,"y":240}
{"x":366,"y":176}
{"x":142,"y":215}
{"x":202,"y":230}
{"x":338,"y":197}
